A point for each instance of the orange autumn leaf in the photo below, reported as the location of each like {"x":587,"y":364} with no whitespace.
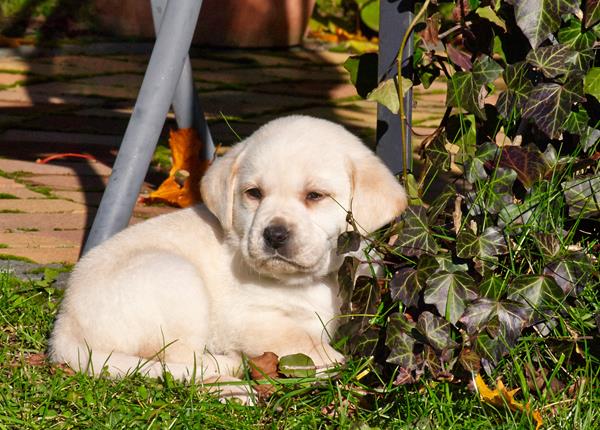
{"x":501,"y":396}
{"x":182,"y":187}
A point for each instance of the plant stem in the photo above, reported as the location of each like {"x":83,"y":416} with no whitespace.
{"x":411,"y":27}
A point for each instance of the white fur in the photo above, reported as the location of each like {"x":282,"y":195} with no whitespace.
{"x":194,"y":290}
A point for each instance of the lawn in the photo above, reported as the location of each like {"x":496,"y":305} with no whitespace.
{"x":36,"y":394}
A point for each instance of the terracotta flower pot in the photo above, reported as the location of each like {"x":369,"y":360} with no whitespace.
{"x":234,"y":23}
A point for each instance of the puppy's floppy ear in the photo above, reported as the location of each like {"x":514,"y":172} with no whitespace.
{"x":218,"y":184}
{"x":377,"y":196}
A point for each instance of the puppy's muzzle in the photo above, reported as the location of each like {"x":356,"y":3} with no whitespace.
{"x":276,"y":236}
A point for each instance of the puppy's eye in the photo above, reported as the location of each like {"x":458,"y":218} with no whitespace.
{"x":254,"y":193}
{"x":314,"y":196}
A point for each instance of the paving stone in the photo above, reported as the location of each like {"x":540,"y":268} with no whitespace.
{"x":9,"y":186}
{"x":25,"y":95}
{"x":48,"y":222}
{"x":242,"y":77}
{"x":89,"y":198}
{"x":79,"y":89}
{"x":57,"y":167}
{"x":11,"y":78}
{"x":321,"y":57}
{"x":41,"y":206}
{"x":307,"y":74}
{"x":199,"y":64}
{"x":144,"y":212}
{"x":35,"y":239}
{"x":253,"y":58}
{"x":75,"y":139}
{"x":318,"y":89}
{"x":122,"y":80}
{"x":45,"y":255}
{"x":72,"y":183}
{"x":68,"y":122}
{"x":80,"y":64}
{"x":237,"y":103}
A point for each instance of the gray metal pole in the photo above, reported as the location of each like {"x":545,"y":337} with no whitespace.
{"x":394,"y":18}
{"x":156,"y":93}
{"x":186,"y":104}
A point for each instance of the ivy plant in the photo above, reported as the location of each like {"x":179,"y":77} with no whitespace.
{"x":510,"y":247}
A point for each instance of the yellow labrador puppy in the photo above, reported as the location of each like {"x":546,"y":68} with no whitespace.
{"x":252,"y":271}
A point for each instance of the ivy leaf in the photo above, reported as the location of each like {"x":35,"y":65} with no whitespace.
{"x":492,"y":288}
{"x":357,"y":337}
{"x":577,"y":122}
{"x":363,"y":72}
{"x":474,"y":167}
{"x":538,"y":18}
{"x":297,"y":366}
{"x":583,"y":196}
{"x":534,"y":290}
{"x":591,"y":82}
{"x":527,"y":162}
{"x":548,"y":244}
{"x":494,"y":195}
{"x":467,"y":89}
{"x":365,"y":297}
{"x":491,"y":242}
{"x":490,"y":349}
{"x":405,"y":287}
{"x":549,"y":104}
{"x":489,"y":14}
{"x":511,"y":316}
{"x":436,"y":330}
{"x":348,"y":241}
{"x":436,"y":152}
{"x":567,"y":273}
{"x":440,"y":203}
{"x":369,"y":14}
{"x":518,"y":86}
{"x":400,"y":343}
{"x":552,"y":60}
{"x":416,"y":238}
{"x":386,"y":93}
{"x":449,"y":293}
{"x":345,"y":278}
{"x":591,"y":13}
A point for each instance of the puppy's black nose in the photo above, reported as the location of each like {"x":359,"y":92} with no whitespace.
{"x":276,"y":235}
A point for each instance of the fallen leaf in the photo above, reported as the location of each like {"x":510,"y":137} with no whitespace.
{"x":182,"y":187}
{"x":264,"y":366}
{"x":36,"y":359}
{"x":501,"y":397}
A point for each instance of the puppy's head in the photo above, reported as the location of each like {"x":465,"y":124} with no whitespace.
{"x":282,"y":195}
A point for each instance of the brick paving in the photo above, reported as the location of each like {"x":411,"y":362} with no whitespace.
{"x":81,"y":103}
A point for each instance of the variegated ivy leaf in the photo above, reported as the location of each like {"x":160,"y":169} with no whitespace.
{"x":436,"y":152}
{"x":549,"y":104}
{"x":528,"y":162}
{"x":518,"y":86}
{"x":535,"y":290}
{"x":577,"y":122}
{"x":583,"y":196}
{"x":445,"y":263}
{"x":568,"y":273}
{"x":450,"y":293}
{"x":538,"y":18}
{"x":581,"y":42}
{"x":386,"y":93}
{"x":399,"y":342}
{"x":492,"y":287}
{"x":591,"y":13}
{"x":553,"y":60}
{"x":467,"y":90}
{"x":489,"y":243}
{"x":416,"y":238}
{"x":405,"y":287}
{"x":511,"y":317}
{"x":474,"y":168}
{"x":436,"y":330}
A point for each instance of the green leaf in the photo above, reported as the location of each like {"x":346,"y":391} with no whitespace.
{"x":583,"y":196}
{"x":512,"y":101}
{"x":577,"y":121}
{"x":386,"y":93}
{"x":549,"y":104}
{"x":552,"y":60}
{"x":400,"y":343}
{"x":436,"y":330}
{"x":345,"y":278}
{"x":363,"y":72}
{"x":404,"y":287}
{"x":297,"y":366}
{"x":572,"y":36}
{"x":568,"y":273}
{"x":492,"y":287}
{"x":467,"y":90}
{"x":490,"y":349}
{"x":474,"y":167}
{"x":538,"y":18}
{"x":440,"y":203}
{"x":527,"y":162}
{"x":436,"y":152}
{"x":591,"y":82}
{"x":369,"y":14}
{"x":416,"y":238}
{"x":488,"y":13}
{"x":534,"y":290}
{"x":450,"y":293}
{"x":491,"y":242}
{"x":495,"y":194}
{"x":548,"y":244}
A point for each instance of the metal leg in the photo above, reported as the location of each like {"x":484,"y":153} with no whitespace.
{"x":186,"y":104}
{"x":156,"y":93}
{"x":395,"y":17}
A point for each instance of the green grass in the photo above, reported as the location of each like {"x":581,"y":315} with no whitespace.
{"x":7,"y":196}
{"x":37,"y":395}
